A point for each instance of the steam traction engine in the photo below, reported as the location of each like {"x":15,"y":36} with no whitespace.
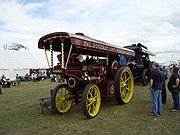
{"x":89,"y":69}
{"x":140,"y":64}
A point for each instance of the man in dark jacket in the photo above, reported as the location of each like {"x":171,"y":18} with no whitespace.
{"x":156,"y":84}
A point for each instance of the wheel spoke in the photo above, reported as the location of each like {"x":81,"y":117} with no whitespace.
{"x":123,"y":95}
{"x":121,"y":84}
{"x":90,"y":103}
{"x":122,"y":92}
{"x":124,"y":75}
{"x":67,"y":95}
{"x":94,"y":106}
{"x":95,"y":96}
{"x":90,"y":93}
{"x":89,"y":109}
{"x":127,"y":79}
{"x":128,"y":89}
{"x":58,"y":102}
{"x":122,"y":80}
{"x":59,"y":92}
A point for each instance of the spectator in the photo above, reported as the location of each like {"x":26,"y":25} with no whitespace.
{"x":48,"y":73}
{"x":156,"y":89}
{"x":164,"y":71}
{"x":17,"y":79}
{"x":26,"y":77}
{"x":53,"y":78}
{"x":39,"y":75}
{"x":163,"y":93}
{"x":34,"y":76}
{"x":174,"y":88}
{"x":5,"y":82}
{"x":3,"y":79}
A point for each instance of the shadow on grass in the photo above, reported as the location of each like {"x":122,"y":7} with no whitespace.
{"x":76,"y":109}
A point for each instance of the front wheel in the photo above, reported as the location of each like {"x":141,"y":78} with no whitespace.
{"x":145,"y":77}
{"x":124,"y":85}
{"x":91,"y":100}
{"x":61,"y":99}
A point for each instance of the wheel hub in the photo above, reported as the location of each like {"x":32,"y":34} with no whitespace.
{"x":91,"y":100}
{"x":62,"y":99}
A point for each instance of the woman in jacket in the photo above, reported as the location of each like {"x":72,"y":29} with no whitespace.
{"x":174,"y":88}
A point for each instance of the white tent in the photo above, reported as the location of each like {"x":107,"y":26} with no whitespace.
{"x":167,"y":58}
{"x":20,"y":62}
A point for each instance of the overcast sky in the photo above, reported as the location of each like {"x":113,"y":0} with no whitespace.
{"x":154,"y":23}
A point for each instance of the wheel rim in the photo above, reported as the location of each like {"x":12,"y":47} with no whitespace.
{"x":126,"y":85}
{"x":62,"y":102}
{"x":93,"y":100}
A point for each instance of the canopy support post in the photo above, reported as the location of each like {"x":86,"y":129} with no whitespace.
{"x":69,"y":56}
{"x":51,"y":56}
{"x":62,"y":54}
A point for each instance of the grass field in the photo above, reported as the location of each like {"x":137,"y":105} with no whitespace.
{"x":20,"y":114}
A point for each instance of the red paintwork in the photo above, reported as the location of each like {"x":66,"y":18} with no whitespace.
{"x":74,"y":73}
{"x":107,"y":88}
{"x":100,"y":47}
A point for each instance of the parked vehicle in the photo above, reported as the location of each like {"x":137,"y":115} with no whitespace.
{"x":89,"y":69}
{"x":140,"y":64}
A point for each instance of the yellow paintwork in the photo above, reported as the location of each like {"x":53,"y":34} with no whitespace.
{"x":93,"y":100}
{"x":126,"y":85}
{"x":62,"y":104}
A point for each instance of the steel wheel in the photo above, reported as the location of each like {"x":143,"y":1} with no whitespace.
{"x":91,"y":100}
{"x":61,"y":99}
{"x":124,"y":85}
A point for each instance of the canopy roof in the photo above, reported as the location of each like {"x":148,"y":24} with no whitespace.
{"x":140,"y":49}
{"x":82,"y":42}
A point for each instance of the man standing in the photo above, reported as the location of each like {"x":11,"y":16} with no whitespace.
{"x":155,"y":85}
{"x":163,"y":93}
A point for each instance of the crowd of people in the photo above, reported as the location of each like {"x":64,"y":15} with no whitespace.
{"x":158,"y":88}
{"x":35,"y":75}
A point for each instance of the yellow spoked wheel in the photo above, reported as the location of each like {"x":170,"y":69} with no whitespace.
{"x":124,"y":85}
{"x":61,"y":99}
{"x":91,"y":100}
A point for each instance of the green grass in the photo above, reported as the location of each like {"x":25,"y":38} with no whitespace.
{"x":20,"y":114}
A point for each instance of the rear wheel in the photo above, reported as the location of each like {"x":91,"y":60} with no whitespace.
{"x":145,"y":77}
{"x":61,"y":99}
{"x":124,"y":85}
{"x":91,"y":100}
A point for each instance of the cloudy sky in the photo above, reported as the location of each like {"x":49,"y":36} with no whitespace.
{"x":154,"y":23}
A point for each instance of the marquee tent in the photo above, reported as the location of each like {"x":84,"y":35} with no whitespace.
{"x":20,"y":62}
